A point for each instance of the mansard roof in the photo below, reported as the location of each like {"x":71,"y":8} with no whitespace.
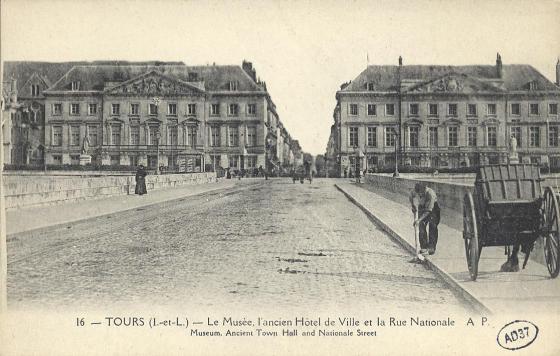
{"x":385,"y":77}
{"x":23,"y":70}
{"x":216,"y":78}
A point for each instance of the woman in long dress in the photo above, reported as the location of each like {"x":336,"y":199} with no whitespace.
{"x":141,"y":181}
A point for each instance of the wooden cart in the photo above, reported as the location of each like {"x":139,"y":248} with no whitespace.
{"x":508,"y":207}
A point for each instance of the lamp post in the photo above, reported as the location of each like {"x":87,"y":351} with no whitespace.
{"x":396,"y":173}
{"x":158,"y":137}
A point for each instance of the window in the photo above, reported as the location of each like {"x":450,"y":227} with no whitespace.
{"x":232,"y":86}
{"x":534,"y":109}
{"x":92,"y":135}
{"x":74,"y":109}
{"x":215,"y":160}
{"x":433,"y":109}
{"x":74,"y":159}
{"x":252,"y":109}
{"x":233,"y":161}
{"x":115,"y":109}
{"x":135,"y":109}
{"x":372,"y":136}
{"x":492,"y":136}
{"x":251,"y":136}
{"x":452,"y":109}
{"x":214,"y":136}
{"x":433,"y":136}
{"x":92,"y":109}
{"x":75,"y":85}
{"x":134,"y":135}
{"x":251,"y":162}
{"x":57,"y":136}
{"x":233,"y":109}
{"x":172,"y":109}
{"x":354,"y":109}
{"x":452,"y":135}
{"x":371,"y":86}
{"x":191,"y":109}
{"x":372,"y":109}
{"x":534,"y":136}
{"x":516,"y":109}
{"x":413,"y":110}
{"x":57,"y":159}
{"x":153,"y":131}
{"x":115,"y":134}
{"x":553,"y":109}
{"x":491,"y":109}
{"x":471,"y":110}
{"x":74,"y":135}
{"x":233,"y":136}
{"x":516,"y":132}
{"x":472,"y":133}
{"x":553,"y":136}
{"x":35,"y":90}
{"x":215,"y":109}
{"x":57,"y":109}
{"x":115,"y":160}
{"x":389,"y":109}
{"x":173,"y":135}
{"x":413,"y":133}
{"x":390,"y":136}
{"x":353,"y":136}
{"x":191,"y":136}
{"x":153,"y":109}
{"x":533,"y":85}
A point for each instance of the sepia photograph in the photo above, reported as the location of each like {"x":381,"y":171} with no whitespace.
{"x":182,"y":177}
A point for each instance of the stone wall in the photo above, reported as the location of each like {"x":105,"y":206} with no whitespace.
{"x":26,"y":191}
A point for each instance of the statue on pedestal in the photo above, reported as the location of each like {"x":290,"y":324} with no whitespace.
{"x":85,"y":158}
{"x":513,"y":156}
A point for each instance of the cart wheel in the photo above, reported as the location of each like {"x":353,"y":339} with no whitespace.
{"x":551,"y":231}
{"x":470,"y":235}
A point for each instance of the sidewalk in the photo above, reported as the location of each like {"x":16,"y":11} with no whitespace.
{"x":26,"y":219}
{"x":530,"y":290}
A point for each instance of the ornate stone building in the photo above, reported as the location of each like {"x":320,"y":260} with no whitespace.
{"x":445,"y":116}
{"x":189,"y":117}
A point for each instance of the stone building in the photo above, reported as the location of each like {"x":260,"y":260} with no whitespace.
{"x":159,"y":113}
{"x":445,"y":116}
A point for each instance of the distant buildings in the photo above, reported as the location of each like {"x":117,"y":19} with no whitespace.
{"x":445,"y":116}
{"x":130,"y":113}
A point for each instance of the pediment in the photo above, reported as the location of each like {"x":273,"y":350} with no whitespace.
{"x":413,"y":122}
{"x":154,"y":83}
{"x":455,"y":83}
{"x":190,"y":121}
{"x":452,"y":121}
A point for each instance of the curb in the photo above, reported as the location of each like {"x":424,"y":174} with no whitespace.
{"x":476,"y":304}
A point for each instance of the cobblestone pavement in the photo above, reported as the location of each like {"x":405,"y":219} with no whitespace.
{"x":273,"y":243}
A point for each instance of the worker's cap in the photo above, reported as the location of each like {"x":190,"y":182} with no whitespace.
{"x":419,"y":187}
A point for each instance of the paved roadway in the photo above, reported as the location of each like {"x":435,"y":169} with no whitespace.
{"x":269,"y":244}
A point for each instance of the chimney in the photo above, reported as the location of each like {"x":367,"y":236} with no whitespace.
{"x":499,"y":69}
{"x":400,"y":61}
{"x":248,"y":68}
{"x":13,"y":90}
{"x":558,"y":72}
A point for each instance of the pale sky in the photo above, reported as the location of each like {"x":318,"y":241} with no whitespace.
{"x":303,"y":50}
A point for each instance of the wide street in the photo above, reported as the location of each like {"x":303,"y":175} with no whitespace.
{"x":256,"y":245}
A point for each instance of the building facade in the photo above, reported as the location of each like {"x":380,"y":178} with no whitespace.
{"x":445,"y":116}
{"x":164,"y":114}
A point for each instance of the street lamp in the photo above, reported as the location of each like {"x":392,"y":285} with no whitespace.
{"x":158,"y":137}
{"x":396,"y":173}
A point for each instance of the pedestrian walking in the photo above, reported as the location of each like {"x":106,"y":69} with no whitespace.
{"x":358,"y":173}
{"x":141,"y":181}
{"x":424,"y":201}
{"x":345,"y":172}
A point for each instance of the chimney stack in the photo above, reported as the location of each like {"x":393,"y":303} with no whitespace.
{"x":400,"y":61}
{"x":499,"y":69}
{"x":558,"y":72}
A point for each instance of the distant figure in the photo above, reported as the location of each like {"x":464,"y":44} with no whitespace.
{"x":358,"y":173}
{"x":141,"y":181}
{"x":345,"y":173}
{"x":263,"y":172}
{"x":228,"y":173}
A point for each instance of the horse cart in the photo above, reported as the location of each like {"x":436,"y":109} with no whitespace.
{"x":509,"y":207}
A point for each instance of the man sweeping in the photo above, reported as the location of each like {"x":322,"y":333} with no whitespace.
{"x":424,"y":201}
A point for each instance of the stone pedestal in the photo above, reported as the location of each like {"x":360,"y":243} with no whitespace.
{"x":513,"y":158}
{"x":85,"y":159}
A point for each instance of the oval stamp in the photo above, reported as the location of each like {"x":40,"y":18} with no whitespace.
{"x":517,"y":335}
